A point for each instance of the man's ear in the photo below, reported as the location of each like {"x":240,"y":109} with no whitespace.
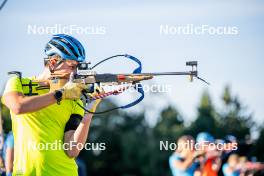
{"x":52,"y":63}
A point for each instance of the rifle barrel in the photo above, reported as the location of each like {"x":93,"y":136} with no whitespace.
{"x":166,"y":73}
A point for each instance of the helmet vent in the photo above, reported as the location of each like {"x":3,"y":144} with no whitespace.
{"x":60,"y":47}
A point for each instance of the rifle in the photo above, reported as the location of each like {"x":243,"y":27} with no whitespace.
{"x":87,"y":75}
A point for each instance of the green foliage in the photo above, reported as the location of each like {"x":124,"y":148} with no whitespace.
{"x":169,"y":128}
{"x":6,"y":120}
{"x":169,"y":125}
{"x":234,"y":118}
{"x":206,"y":119}
{"x":259,"y":146}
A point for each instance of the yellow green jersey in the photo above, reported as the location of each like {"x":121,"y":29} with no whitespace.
{"x":38,"y":136}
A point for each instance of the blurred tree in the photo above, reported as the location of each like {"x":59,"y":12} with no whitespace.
{"x":206,"y":118}
{"x":259,"y":146}
{"x":133,"y":147}
{"x":234,"y":117}
{"x":168,"y":129}
{"x":6,"y":120}
{"x":126,"y":138}
{"x":170,"y":124}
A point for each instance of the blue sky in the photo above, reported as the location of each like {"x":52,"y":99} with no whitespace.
{"x":134,"y":27}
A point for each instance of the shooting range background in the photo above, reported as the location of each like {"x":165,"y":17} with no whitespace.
{"x":133,"y":27}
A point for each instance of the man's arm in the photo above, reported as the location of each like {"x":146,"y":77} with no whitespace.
{"x":78,"y":136}
{"x":20,"y":104}
{"x":76,"y":131}
{"x":183,"y":165}
{"x":9,"y":160}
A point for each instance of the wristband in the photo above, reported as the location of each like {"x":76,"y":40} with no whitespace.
{"x":58,"y":96}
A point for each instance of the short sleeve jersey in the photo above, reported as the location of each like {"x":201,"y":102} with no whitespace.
{"x":38,"y":136}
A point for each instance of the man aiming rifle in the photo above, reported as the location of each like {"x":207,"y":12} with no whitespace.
{"x":46,"y":114}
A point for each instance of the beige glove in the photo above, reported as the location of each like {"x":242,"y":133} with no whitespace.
{"x":93,"y":105}
{"x":72,"y":90}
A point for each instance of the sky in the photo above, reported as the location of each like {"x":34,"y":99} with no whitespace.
{"x":234,"y":58}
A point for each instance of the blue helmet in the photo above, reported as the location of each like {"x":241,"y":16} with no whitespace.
{"x":231,"y":138}
{"x":66,"y":47}
{"x":204,"y":137}
{"x":220,"y":141}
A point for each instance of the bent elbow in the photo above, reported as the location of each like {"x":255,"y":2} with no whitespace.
{"x":17,"y":109}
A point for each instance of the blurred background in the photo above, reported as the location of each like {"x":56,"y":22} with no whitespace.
{"x":162,"y":35}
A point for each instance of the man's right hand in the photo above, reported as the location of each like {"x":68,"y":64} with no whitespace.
{"x":72,"y":91}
